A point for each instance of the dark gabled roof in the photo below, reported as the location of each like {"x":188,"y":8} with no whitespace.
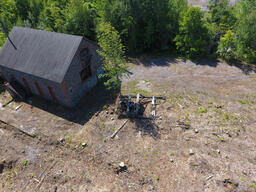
{"x":44,"y":54}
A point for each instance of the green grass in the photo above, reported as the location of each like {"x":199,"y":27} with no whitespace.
{"x":68,"y":139}
{"x":243,"y":179}
{"x":31,"y":175}
{"x":252,"y":185}
{"x":244,"y":102}
{"x":202,"y":110}
{"x":227,"y":116}
{"x":133,"y":89}
{"x":25,"y":163}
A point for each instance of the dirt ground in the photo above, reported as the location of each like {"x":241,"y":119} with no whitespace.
{"x":203,"y":3}
{"x":205,"y":139}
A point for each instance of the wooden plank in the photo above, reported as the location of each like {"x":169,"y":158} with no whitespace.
{"x":115,"y":133}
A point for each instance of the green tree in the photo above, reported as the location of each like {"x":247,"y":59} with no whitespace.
{"x":176,"y":10}
{"x":246,"y":30}
{"x":35,"y":8}
{"x":80,"y":18}
{"x":220,"y":18}
{"x":8,"y":17}
{"x":192,"y":38}
{"x":112,"y":52}
{"x":221,"y":14}
{"x":23,"y":7}
{"x":53,"y":16}
{"x":145,"y":25}
{"x":226,"y":47}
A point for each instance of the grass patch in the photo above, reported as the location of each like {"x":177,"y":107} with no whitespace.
{"x":252,"y":185}
{"x":202,"y":110}
{"x":133,"y":89}
{"x":243,"y":179}
{"x":25,"y":163}
{"x":244,"y":102}
{"x":68,"y":139}
{"x":105,"y":107}
{"x":227,"y":116}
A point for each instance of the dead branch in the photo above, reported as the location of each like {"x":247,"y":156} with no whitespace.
{"x":115,"y":133}
{"x":18,"y":129}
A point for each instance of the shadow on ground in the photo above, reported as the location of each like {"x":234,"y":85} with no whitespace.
{"x":96,"y":100}
{"x":210,"y":63}
{"x":155,"y":62}
{"x":147,"y":127}
{"x":168,"y":62}
{"x":2,"y":88}
{"x":246,"y":68}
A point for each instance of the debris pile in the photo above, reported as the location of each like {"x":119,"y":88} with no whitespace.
{"x":133,"y":106}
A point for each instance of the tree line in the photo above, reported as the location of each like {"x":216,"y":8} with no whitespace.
{"x":145,"y":26}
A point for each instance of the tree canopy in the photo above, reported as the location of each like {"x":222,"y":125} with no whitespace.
{"x":146,"y":25}
{"x":192,"y":37}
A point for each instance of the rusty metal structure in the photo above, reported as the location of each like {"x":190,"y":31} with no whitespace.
{"x":132,"y":106}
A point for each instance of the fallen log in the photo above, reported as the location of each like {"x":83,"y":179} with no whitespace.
{"x":19,"y":129}
{"x":115,"y":133}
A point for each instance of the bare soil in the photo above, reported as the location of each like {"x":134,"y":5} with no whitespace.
{"x":205,"y":139}
{"x":204,"y":3}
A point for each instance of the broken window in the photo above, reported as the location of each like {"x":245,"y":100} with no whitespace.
{"x":85,"y":73}
{"x":85,"y":59}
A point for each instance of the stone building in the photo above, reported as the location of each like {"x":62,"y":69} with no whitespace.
{"x":54,"y":66}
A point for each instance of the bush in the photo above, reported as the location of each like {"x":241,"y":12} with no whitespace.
{"x":192,"y":39}
{"x":226,"y":47}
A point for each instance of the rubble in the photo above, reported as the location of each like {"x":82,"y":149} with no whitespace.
{"x":121,"y":164}
{"x":122,"y":168}
{"x":191,"y":152}
{"x":84,"y":144}
{"x":208,"y":178}
{"x":61,"y":140}
{"x":16,"y":108}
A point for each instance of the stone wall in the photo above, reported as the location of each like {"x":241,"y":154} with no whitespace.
{"x":75,"y":86}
